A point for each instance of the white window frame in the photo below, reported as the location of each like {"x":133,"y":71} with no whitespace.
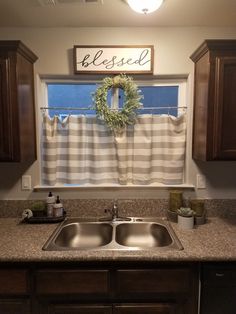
{"x":181,"y":81}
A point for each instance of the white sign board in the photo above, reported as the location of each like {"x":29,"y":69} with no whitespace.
{"x":113,"y":59}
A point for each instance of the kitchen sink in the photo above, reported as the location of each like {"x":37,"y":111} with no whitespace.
{"x":84,"y":235}
{"x":143,"y":235}
{"x":132,"y":234}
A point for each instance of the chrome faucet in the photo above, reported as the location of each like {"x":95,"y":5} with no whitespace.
{"x":114,"y":214}
{"x":113,"y":211}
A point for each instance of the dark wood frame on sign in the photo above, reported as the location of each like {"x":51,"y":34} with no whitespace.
{"x":107,"y":59}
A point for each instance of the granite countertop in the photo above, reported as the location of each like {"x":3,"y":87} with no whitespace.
{"x":213,"y":241}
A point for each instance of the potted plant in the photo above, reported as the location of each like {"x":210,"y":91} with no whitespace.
{"x":38,"y":209}
{"x":185,"y":217}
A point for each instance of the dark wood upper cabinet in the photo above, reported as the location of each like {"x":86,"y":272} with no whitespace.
{"x":17,"y":112}
{"x":214,"y":136}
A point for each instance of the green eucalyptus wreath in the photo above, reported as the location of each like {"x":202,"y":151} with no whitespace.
{"x":118,"y":119}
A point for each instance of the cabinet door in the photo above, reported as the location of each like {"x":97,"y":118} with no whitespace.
{"x":14,"y":306}
{"x":14,"y":282}
{"x":150,"y":283}
{"x":17,"y":116}
{"x":214,"y":136}
{"x":157,"y":308}
{"x":94,"y":283}
{"x":176,"y":287}
{"x":201,"y":149}
{"x":6,"y":145}
{"x":77,"y":309}
{"x":225,"y":114}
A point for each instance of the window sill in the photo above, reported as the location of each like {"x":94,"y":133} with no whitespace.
{"x":39,"y":188}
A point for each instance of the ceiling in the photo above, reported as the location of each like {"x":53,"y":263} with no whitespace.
{"x":115,"y":13}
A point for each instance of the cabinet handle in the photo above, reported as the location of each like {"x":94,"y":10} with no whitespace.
{"x":220,"y":274}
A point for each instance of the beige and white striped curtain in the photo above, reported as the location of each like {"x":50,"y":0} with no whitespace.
{"x":82,"y":150}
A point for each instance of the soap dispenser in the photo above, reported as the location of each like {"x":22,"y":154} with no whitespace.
{"x":50,"y":201}
{"x":58,"y":208}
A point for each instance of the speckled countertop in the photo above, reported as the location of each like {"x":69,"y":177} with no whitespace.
{"x":213,"y":241}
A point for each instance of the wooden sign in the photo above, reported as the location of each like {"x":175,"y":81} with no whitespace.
{"x":113,"y":59}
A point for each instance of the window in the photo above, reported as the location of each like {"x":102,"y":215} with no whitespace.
{"x":67,"y":97}
{"x":162,"y":98}
{"x":78,"y":149}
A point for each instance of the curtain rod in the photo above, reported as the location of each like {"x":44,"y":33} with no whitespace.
{"x":89,"y":108}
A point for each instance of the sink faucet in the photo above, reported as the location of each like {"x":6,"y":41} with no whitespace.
{"x":114,"y":214}
{"x":113,"y":211}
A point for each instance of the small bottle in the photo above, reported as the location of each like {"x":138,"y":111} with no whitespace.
{"x":50,"y":204}
{"x":58,"y":208}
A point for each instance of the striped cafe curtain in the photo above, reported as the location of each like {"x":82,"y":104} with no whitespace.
{"x":82,"y":150}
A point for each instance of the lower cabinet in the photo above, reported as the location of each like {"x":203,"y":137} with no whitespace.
{"x":121,"y":288}
{"x":160,"y":290}
{"x":14,"y":291}
{"x":99,"y":289}
{"x":14,"y":306}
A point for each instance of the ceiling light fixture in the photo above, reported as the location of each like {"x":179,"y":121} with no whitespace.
{"x":145,"y":6}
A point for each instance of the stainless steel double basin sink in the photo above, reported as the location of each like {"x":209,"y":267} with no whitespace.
{"x":127,"y":234}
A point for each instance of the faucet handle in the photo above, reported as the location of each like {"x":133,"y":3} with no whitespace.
{"x":107,"y":210}
{"x":115,"y":209}
{"x":115,"y":203}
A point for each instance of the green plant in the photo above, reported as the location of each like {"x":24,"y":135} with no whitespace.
{"x":116,"y":119}
{"x":38,"y":206}
{"x":185,"y":212}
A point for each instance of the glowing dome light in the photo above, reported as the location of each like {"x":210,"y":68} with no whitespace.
{"x":145,"y":6}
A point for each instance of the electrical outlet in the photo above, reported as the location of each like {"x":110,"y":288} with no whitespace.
{"x":26,"y":182}
{"x":201,"y":181}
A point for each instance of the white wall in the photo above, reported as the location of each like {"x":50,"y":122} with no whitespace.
{"x":173,"y":46}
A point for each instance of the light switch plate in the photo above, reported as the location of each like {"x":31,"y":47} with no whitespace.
{"x":26,"y":182}
{"x":201,"y":181}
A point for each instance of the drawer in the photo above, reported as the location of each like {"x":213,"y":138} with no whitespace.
{"x":14,"y":306}
{"x":154,"y":308}
{"x":152,"y":281}
{"x":14,"y":281}
{"x":63,"y":281}
{"x":78,"y":309}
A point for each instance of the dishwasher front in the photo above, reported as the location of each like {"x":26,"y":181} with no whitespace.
{"x":218,"y":288}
